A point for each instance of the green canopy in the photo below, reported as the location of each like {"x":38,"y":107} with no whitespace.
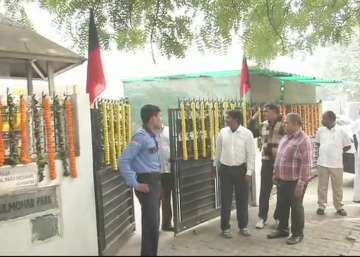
{"x":281,"y":76}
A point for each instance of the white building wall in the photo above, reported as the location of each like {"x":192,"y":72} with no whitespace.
{"x":77,"y":207}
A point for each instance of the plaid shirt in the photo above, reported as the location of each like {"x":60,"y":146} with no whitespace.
{"x":294,"y":157}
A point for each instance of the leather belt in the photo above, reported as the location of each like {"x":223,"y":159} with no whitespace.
{"x":149,"y":178}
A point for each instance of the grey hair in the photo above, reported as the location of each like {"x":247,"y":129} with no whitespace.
{"x":295,"y":118}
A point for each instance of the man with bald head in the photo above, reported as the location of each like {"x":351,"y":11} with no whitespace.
{"x":332,"y":142}
{"x":292,"y":170}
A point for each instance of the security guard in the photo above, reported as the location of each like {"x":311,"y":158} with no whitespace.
{"x":140,"y":167}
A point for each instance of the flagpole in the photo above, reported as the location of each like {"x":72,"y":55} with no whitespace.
{"x":244,"y":112}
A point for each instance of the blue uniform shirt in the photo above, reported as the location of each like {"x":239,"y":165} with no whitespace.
{"x":141,"y":156}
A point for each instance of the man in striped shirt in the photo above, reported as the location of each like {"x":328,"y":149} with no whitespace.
{"x":271,"y":131}
{"x":292,"y":170}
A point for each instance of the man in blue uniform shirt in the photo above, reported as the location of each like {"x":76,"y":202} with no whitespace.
{"x":140,"y":166}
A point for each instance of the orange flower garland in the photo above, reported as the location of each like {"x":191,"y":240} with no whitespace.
{"x":24,"y":152}
{"x":2,"y":147}
{"x":71,"y":137}
{"x":49,"y":137}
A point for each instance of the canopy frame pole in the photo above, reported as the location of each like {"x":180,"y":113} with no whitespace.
{"x":29,"y":78}
{"x":51,"y":79}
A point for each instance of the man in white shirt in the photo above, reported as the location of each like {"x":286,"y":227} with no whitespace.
{"x":356,"y":132}
{"x":167,"y":182}
{"x":235,"y":160}
{"x":332,"y":142}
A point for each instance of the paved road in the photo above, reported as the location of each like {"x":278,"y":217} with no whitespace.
{"x":328,"y":235}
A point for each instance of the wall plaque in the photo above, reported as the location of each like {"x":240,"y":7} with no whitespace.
{"x":22,"y":203}
{"x":14,"y":178}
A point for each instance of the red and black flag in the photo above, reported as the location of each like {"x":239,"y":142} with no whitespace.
{"x":95,"y":74}
{"x":244,"y":80}
{"x":245,"y":89}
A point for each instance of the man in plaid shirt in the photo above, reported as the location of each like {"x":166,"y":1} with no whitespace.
{"x":270,"y":132}
{"x":292,"y":171}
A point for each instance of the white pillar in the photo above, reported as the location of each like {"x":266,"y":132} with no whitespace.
{"x":29,"y":77}
{"x":51,"y":79}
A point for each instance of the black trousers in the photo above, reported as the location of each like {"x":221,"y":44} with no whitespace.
{"x":167,"y":183}
{"x":150,"y":221}
{"x":232,"y":178}
{"x":266,"y":187}
{"x":287,"y":201}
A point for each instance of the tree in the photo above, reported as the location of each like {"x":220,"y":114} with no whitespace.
{"x":15,"y":12}
{"x":267,"y":28}
{"x":343,"y":63}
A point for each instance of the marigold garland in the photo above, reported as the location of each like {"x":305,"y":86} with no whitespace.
{"x":211,"y":130}
{"x":225,"y":106}
{"x":203,"y":129}
{"x":118,"y":129}
{"x":129,"y":123}
{"x":183,"y":132}
{"x":217,"y":119}
{"x":14,"y":149}
{"x":24,"y":132}
{"x":59,"y":125}
{"x":71,"y":136}
{"x":38,"y":135}
{"x":105,"y":133}
{"x":49,"y":137}
{"x":124,"y":127}
{"x":195,"y":130}
{"x":112,"y":138}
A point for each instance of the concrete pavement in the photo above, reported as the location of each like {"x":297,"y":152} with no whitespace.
{"x":327,"y":235}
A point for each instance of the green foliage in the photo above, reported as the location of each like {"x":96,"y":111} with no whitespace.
{"x":13,"y":137}
{"x":343,"y":63}
{"x":267,"y":28}
{"x":15,"y":11}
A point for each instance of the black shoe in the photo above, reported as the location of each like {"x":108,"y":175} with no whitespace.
{"x":293,"y":240}
{"x":320,"y":212}
{"x":168,"y":229}
{"x":341,"y":212}
{"x":278,"y":234}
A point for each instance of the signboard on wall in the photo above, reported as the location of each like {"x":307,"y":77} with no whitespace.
{"x":17,"y":177}
{"x":22,"y":203}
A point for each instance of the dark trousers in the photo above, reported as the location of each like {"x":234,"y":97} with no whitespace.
{"x":287,"y":201}
{"x":266,"y":187}
{"x":167,"y":183}
{"x":233,"y":178}
{"x":150,"y":221}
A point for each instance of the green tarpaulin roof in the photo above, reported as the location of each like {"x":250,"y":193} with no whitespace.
{"x":282,"y":76}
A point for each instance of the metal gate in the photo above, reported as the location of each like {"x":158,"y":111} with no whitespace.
{"x":196,"y":197}
{"x":114,"y":199}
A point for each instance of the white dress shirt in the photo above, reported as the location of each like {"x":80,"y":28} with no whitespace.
{"x":332,"y":142}
{"x":356,"y":131}
{"x":236,"y":148}
{"x":164,"y":149}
